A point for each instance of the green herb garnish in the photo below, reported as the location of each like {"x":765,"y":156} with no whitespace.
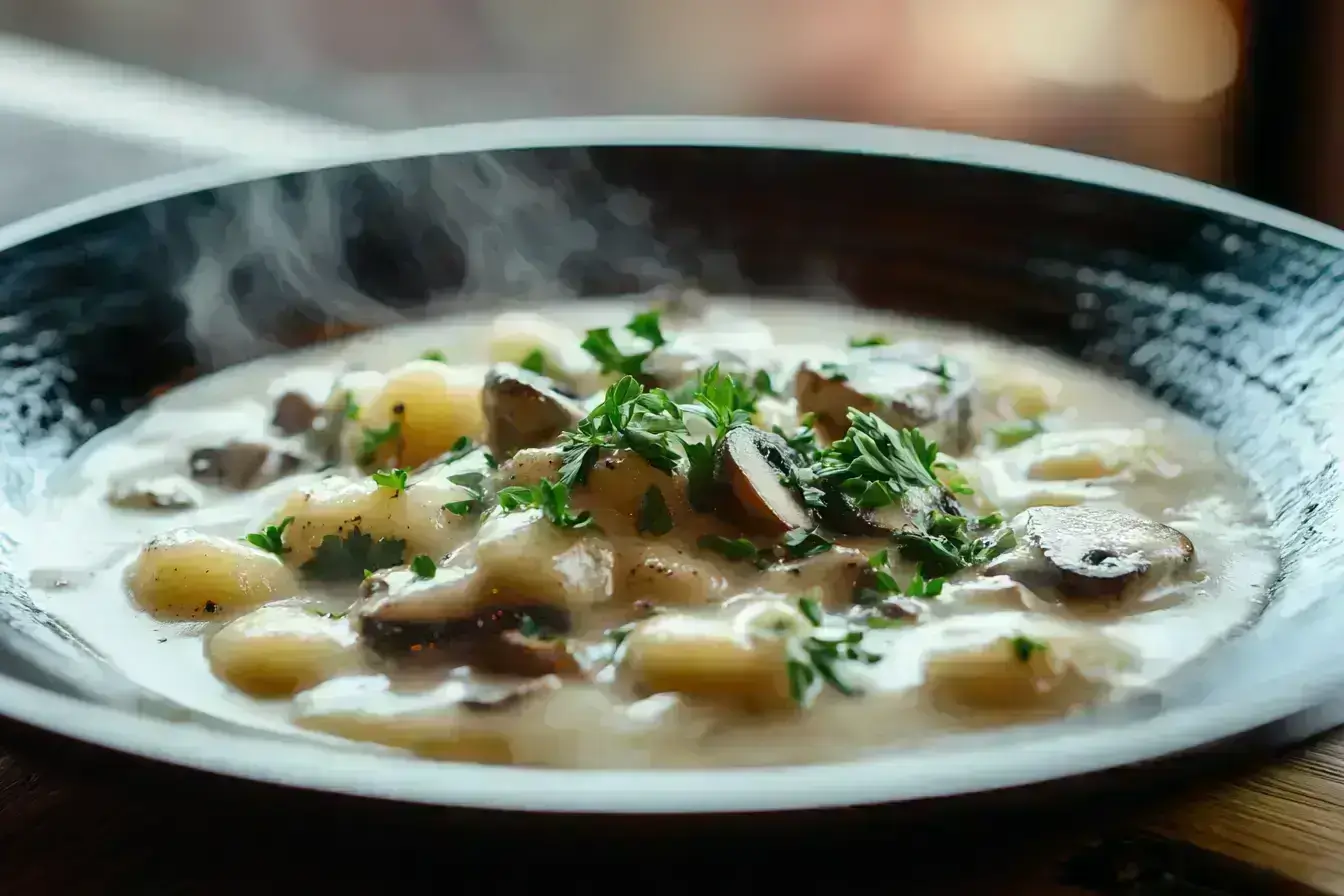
{"x":434,"y":354}
{"x":355,"y":557}
{"x":375,"y":439}
{"x":423,"y":566}
{"x":732,"y":548}
{"x":599,"y":344}
{"x":628,"y":417}
{"x":393,"y":479}
{"x":799,"y":543}
{"x":461,"y":448}
{"x":474,"y":483}
{"x":535,"y":361}
{"x":646,"y":326}
{"x":920,"y":587}
{"x":875,"y":453}
{"x":939,"y":370}
{"x":762,"y":384}
{"x":654,"y":517}
{"x":530,"y":628}
{"x":832,"y":372}
{"x":271,"y":538}
{"x":551,"y":498}
{"x":723,"y":401}
{"x":351,"y":411}
{"x":1006,"y":435}
{"x":1024,"y":647}
{"x":868,"y":341}
{"x":817,"y":657}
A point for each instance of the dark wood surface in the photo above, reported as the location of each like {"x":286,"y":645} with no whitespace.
{"x":75,"y":819}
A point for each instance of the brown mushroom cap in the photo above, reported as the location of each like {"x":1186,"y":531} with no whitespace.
{"x":909,"y":385}
{"x":1091,"y":552}
{"x":295,"y":413}
{"x":523,"y":409}
{"x":749,"y":465}
{"x":243,"y":465}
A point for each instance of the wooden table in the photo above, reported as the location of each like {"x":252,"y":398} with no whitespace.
{"x":74,"y":819}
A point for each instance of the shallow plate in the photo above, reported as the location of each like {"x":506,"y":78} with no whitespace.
{"x":1223,"y":307}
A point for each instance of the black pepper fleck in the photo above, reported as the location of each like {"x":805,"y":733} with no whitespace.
{"x":399,"y":408}
{"x":211,"y":606}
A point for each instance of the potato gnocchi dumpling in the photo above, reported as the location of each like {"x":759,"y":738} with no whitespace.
{"x":190,"y":575}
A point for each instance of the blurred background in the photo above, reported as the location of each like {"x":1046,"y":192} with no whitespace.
{"x":94,"y":93}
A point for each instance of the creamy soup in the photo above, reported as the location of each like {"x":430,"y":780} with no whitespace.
{"x":641,"y":535}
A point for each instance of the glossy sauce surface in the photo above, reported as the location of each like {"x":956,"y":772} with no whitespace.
{"x":669,"y":653}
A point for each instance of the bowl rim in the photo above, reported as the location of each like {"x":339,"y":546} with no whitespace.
{"x":918,"y":773}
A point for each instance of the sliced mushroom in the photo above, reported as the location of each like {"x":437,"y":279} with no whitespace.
{"x":244,"y":465}
{"x":909,"y":385}
{"x":514,"y":653}
{"x":842,"y":512}
{"x":1091,"y":552}
{"x":295,"y":413}
{"x":753,"y":468}
{"x":164,"y":493}
{"x":524,"y":409}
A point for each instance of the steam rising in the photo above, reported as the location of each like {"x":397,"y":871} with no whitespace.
{"x":394,"y":241}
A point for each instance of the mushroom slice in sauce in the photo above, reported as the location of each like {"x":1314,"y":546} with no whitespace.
{"x":241,"y":466}
{"x":295,"y":413}
{"x":752,"y":467}
{"x":524,"y":409}
{"x":1091,"y":552}
{"x":162,"y":493}
{"x":908,"y":385}
{"x":843,"y":514}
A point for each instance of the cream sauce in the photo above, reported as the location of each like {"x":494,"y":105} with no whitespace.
{"x":1106,"y":445}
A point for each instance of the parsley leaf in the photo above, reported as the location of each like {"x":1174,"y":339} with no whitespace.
{"x":700,"y":473}
{"x":646,"y":326}
{"x":393,"y":479}
{"x":434,"y":354}
{"x":804,"y":439}
{"x":732,"y":548}
{"x":351,"y":411}
{"x":531,"y":628}
{"x":800,"y":543}
{"x":338,"y":559}
{"x":423,"y":566}
{"x":946,"y":544}
{"x":551,"y":498}
{"x":817,"y":657}
{"x":832,"y":372}
{"x":875,"y":452}
{"x":271,"y":538}
{"x":723,"y":401}
{"x":474,"y":483}
{"x":461,"y":448}
{"x":375,"y":439}
{"x":1024,"y":647}
{"x":654,"y":517}
{"x":919,"y":587}
{"x":762,"y":384}
{"x":628,"y":417}
{"x":868,"y":341}
{"x":1006,"y":435}
{"x":535,"y":361}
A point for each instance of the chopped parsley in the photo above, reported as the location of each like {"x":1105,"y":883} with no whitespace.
{"x":832,"y":372}
{"x":1006,"y":435}
{"x":355,"y":557}
{"x":939,"y":370}
{"x":628,"y":417}
{"x":799,"y":543}
{"x":535,"y":361}
{"x":920,"y":587}
{"x":551,"y":498}
{"x":351,"y":411}
{"x":875,"y":463}
{"x":732,"y":548}
{"x":1024,"y":648}
{"x":423,"y":566}
{"x":646,"y":325}
{"x":947,"y":544}
{"x":654,"y":517}
{"x":723,"y":401}
{"x":461,"y":448}
{"x":271,"y":538}
{"x":804,"y":438}
{"x":530,"y":628}
{"x":474,"y":483}
{"x":815,"y":660}
{"x":762,"y":384}
{"x":374,"y":439}
{"x":434,"y":354}
{"x":393,"y":479}
{"x":875,"y":339}
{"x":700,"y":486}
{"x":603,"y":349}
